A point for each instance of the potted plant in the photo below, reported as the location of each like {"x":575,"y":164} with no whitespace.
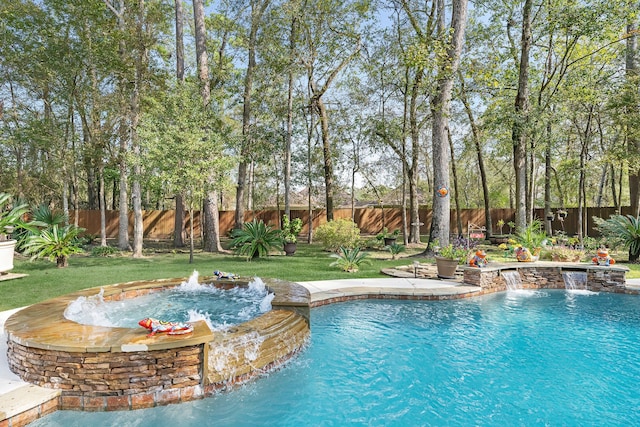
{"x":11,"y":219}
{"x":289,"y":231}
{"x":566,"y":254}
{"x":448,"y":258}
{"x":388,"y":238}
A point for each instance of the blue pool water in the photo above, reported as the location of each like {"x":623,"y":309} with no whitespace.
{"x":526,"y":358}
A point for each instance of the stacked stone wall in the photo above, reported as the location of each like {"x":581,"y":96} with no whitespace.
{"x":547,"y":276}
{"x":111,"y":381}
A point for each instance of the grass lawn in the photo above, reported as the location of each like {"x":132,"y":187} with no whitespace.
{"x":46,"y":281}
{"x":310,"y":262}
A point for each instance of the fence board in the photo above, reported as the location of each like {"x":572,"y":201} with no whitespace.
{"x":370,"y":220}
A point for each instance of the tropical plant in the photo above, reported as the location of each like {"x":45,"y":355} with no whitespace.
{"x":621,"y":230}
{"x":395,"y":249}
{"x":55,"y":244}
{"x":349,"y":259}
{"x":11,"y":217}
{"x":290,"y":229}
{"x":532,"y":236}
{"x":44,"y":215}
{"x":255,"y":239}
{"x":338,"y":233}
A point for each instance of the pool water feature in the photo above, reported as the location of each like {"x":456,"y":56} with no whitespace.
{"x":219,"y":306}
{"x":512,"y":280}
{"x":108,"y":368}
{"x":499,"y":359}
{"x":575,"y":280}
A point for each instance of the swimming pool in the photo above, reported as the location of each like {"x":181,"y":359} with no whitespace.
{"x":512,"y":358}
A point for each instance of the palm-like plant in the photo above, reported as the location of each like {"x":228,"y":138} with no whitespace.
{"x":349,"y":259}
{"x":46,"y":216}
{"x":255,"y":239}
{"x":55,"y":244}
{"x":623,"y":230}
{"x":12,"y":218}
{"x":395,"y":249}
{"x":532,"y":236}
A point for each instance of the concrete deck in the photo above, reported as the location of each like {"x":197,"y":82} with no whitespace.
{"x":17,"y":396}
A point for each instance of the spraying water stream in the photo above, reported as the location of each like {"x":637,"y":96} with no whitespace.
{"x":190,"y":301}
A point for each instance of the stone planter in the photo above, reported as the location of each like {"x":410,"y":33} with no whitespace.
{"x":290,"y":248}
{"x":388,"y":241}
{"x":6,"y":255}
{"x":446,"y":267}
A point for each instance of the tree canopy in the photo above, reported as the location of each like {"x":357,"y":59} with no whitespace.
{"x":336,"y":102}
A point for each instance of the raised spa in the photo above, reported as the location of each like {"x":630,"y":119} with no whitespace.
{"x":114,"y":368}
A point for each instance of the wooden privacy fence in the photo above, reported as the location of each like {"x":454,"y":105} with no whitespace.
{"x":370,"y":220}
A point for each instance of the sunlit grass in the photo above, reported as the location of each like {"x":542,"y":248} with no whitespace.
{"x":45,"y":281}
{"x":310,"y":262}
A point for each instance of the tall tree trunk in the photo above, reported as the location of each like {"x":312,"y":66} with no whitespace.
{"x":211,"y":227}
{"x":123,"y":83}
{"x":547,"y":182}
{"x":318,"y":107}
{"x":257,"y":10}
{"x":412,"y":170}
{"x":328,"y":159}
{"x":519,"y":131}
{"x":178,"y":225}
{"x":179,"y":41}
{"x":141,"y":64}
{"x":633,"y":144}
{"x":289,"y":135}
{"x":475,"y":135}
{"x":440,"y":225}
{"x":456,"y":194}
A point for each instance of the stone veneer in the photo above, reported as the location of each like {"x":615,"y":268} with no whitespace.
{"x":548,"y":275}
{"x":98,"y":368}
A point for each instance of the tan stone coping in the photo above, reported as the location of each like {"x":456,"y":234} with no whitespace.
{"x":25,"y":399}
{"x":494,"y":266}
{"x":44,"y":326}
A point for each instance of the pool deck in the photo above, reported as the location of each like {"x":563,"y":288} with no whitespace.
{"x":18,"y":397}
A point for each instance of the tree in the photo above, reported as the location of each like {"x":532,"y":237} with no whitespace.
{"x":257,"y":9}
{"x":182,"y":144}
{"x":178,"y":227}
{"x":329,"y":44}
{"x":440,"y":111}
{"x":210,"y":205}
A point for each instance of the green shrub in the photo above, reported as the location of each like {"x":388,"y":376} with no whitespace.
{"x":349,"y":260}
{"x":255,"y":239}
{"x":338,"y":233}
{"x":395,"y":249}
{"x":104,"y":251}
{"x":623,"y":230}
{"x":290,"y":229}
